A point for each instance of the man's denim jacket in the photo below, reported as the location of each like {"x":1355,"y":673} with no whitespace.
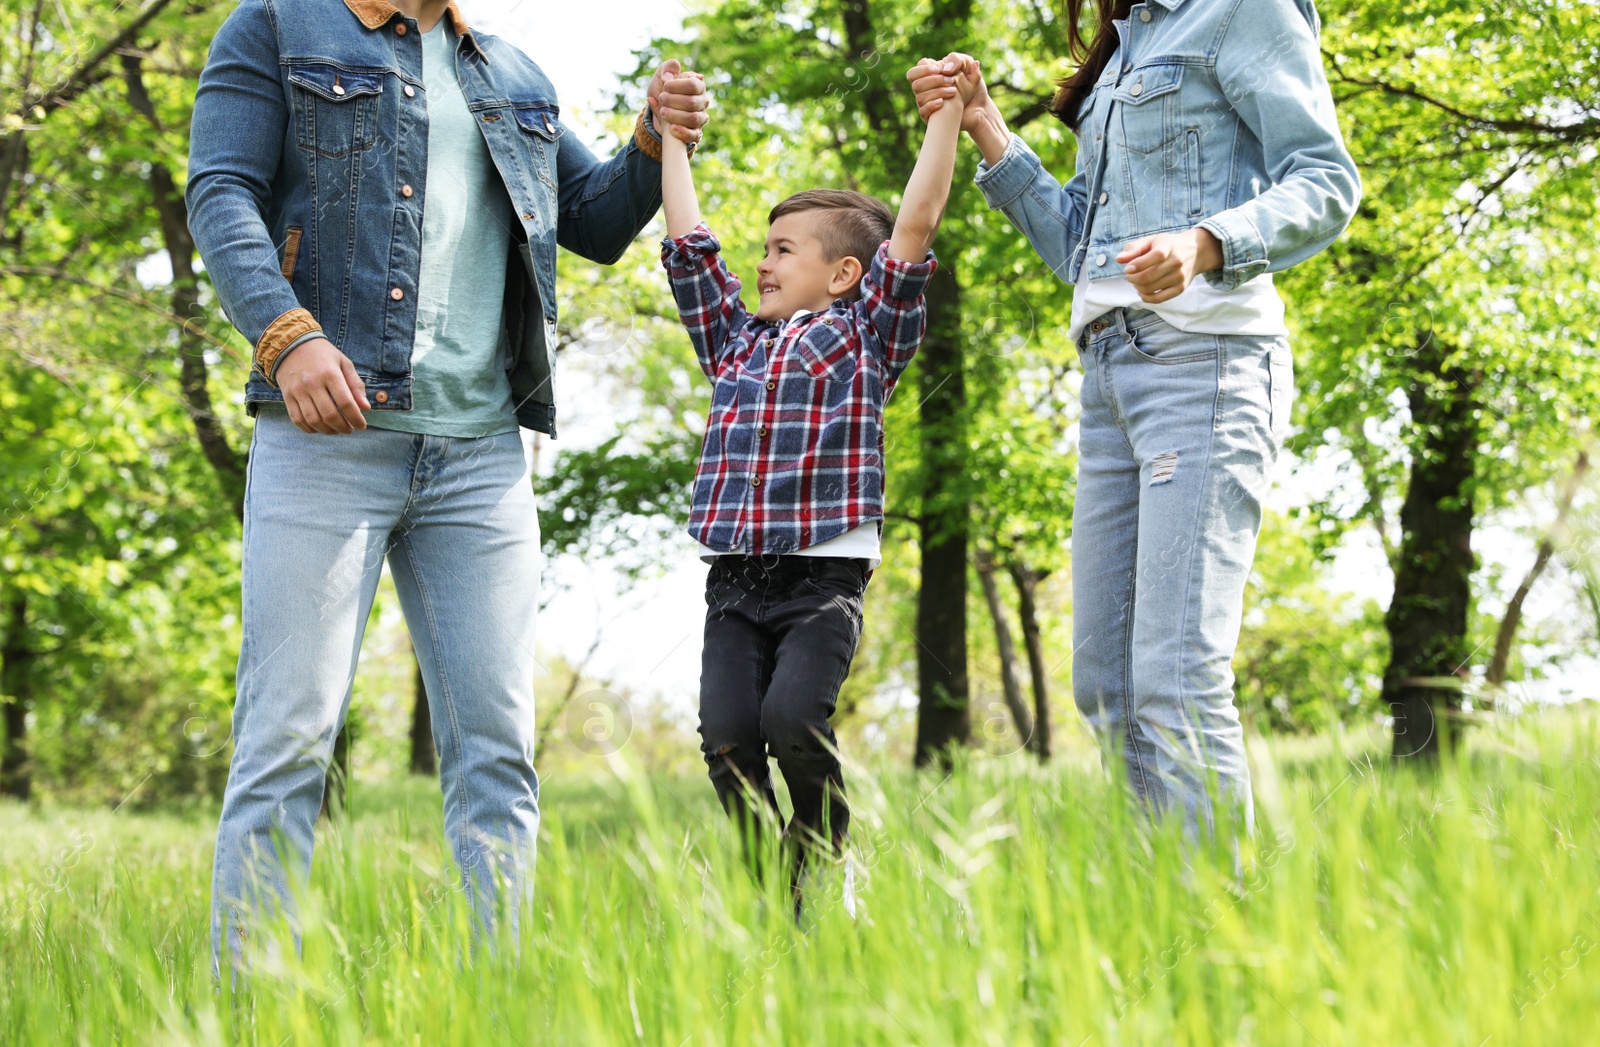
{"x":1211,"y":113}
{"x":308,"y":174}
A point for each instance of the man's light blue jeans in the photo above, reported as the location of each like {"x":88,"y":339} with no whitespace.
{"x":1178,"y":437}
{"x":456,"y":520}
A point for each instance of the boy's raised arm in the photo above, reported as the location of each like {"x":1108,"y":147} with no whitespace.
{"x":929,"y":187}
{"x":678,"y":197}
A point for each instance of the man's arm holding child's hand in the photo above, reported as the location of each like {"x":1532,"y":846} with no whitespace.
{"x":706,"y":293}
{"x":929,"y":188}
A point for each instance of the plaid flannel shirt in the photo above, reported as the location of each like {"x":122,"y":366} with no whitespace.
{"x":793,"y":452}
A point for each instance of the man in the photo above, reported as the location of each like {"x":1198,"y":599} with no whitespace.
{"x":378,"y":191}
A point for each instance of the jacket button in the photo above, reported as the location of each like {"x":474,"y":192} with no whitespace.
{"x":338,"y":88}
{"x":527,"y":216}
{"x":411,"y":92}
{"x":1098,"y":260}
{"x":405,"y":190}
{"x":771,"y":386}
{"x":1144,"y":16}
{"x":398,"y":294}
{"x":1104,"y":197}
{"x":400,"y":29}
{"x":1138,"y":89}
{"x":381,"y":397}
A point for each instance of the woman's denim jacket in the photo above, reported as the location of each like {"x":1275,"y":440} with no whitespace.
{"x":1211,"y":113}
{"x":308,"y":172}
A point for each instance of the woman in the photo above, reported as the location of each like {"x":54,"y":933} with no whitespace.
{"x":1207,"y":148}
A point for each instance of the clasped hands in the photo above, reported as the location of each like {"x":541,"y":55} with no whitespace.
{"x":1160,"y":267}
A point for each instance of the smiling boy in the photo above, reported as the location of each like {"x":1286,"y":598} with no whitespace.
{"x":788,"y":495}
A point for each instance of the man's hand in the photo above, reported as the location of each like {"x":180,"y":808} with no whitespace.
{"x":322,"y":390}
{"x":678,"y":101}
{"x":1161,"y":267}
{"x":935,"y":82}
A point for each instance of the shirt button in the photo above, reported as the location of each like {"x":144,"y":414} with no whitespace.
{"x":1144,"y":16}
{"x":755,"y":481}
{"x":1098,"y":260}
{"x":381,"y":396}
{"x":1104,"y":197}
{"x":398,"y":294}
{"x":828,"y":320}
{"x":411,"y":92}
{"x":399,"y":29}
{"x":762,"y":432}
{"x":406,"y":191}
{"x":771,"y":386}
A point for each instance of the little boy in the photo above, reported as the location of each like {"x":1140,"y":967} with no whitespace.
{"x":788,"y":494}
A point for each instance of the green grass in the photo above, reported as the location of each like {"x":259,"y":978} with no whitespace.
{"x":1004,"y":905}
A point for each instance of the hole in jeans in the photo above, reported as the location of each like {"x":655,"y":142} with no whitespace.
{"x":1162,"y":468}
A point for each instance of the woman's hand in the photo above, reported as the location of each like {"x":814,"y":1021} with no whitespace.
{"x":937,"y":82}
{"x":1161,"y":267}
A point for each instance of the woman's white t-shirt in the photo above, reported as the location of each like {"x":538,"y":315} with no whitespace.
{"x":1252,"y":308}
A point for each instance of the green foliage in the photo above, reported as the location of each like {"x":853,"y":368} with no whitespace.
{"x":1308,"y":658}
{"x":1006,"y":904}
{"x":118,"y":546}
{"x":1475,"y":234}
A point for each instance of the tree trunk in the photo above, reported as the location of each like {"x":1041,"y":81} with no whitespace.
{"x":227,"y":463}
{"x":1027,"y":581}
{"x":16,"y":688}
{"x":423,"y":759}
{"x":1427,"y":620}
{"x":1010,"y":686}
{"x":943,"y":717}
{"x":1496,"y":676}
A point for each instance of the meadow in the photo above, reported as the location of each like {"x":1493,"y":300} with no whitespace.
{"x":1001,"y":904}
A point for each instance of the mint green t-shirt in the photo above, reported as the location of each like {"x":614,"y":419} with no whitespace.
{"x":459,"y":383}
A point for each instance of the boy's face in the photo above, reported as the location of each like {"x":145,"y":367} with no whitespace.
{"x":797,"y":273}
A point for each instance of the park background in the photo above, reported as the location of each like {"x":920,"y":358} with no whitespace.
{"x":1425,"y":574}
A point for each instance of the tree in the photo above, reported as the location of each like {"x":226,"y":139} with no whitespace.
{"x":1447,"y":343}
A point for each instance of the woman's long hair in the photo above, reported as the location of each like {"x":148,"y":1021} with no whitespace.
{"x":1091,"y":56}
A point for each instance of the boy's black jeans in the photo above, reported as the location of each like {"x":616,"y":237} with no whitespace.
{"x":780,"y":634}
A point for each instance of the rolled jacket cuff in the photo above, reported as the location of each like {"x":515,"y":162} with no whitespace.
{"x":647,"y":135}
{"x":1244,"y":252}
{"x":281,"y":335}
{"x":1010,"y":177}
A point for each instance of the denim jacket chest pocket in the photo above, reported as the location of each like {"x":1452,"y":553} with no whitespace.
{"x":537,"y":135}
{"x":1158,"y":138}
{"x":335,"y":109}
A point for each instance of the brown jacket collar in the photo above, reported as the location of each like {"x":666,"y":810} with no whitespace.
{"x":374,"y":13}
